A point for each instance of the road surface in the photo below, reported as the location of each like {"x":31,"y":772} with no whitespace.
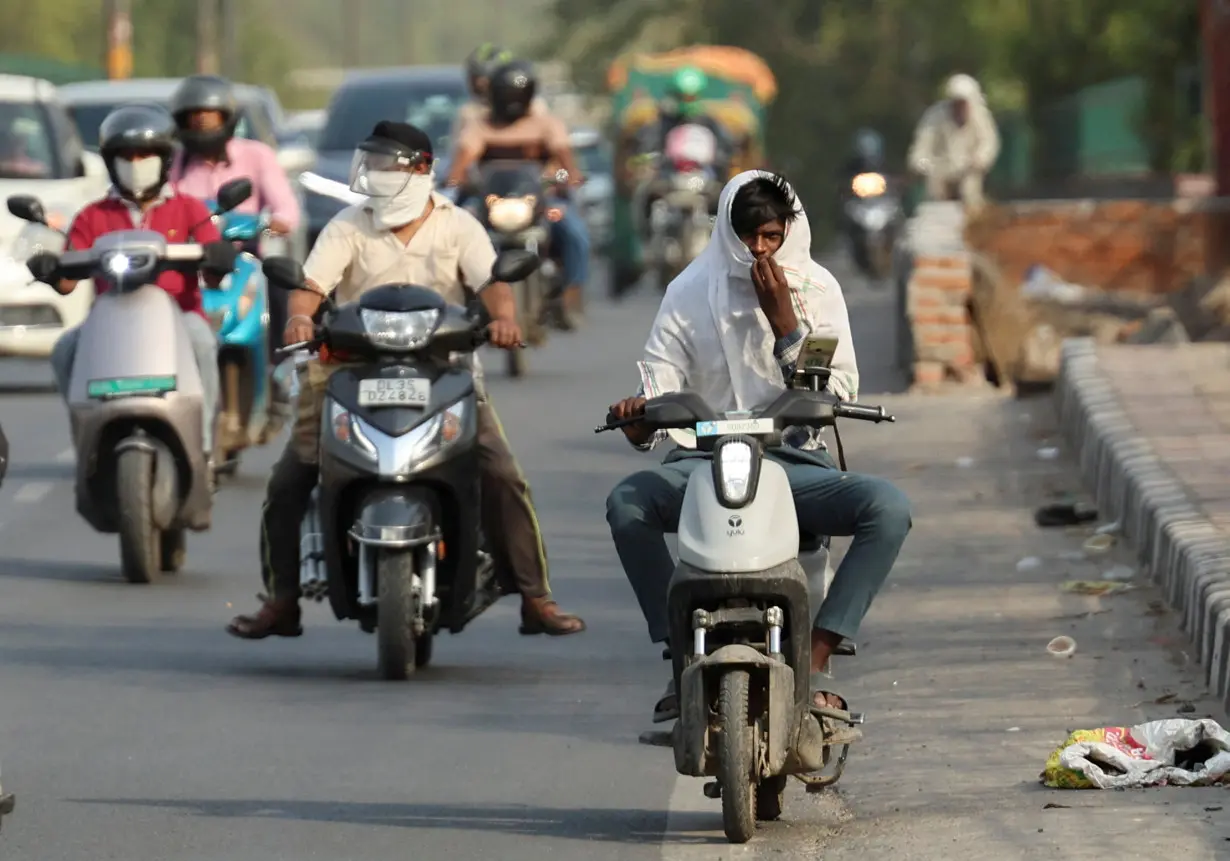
{"x":131,"y":726}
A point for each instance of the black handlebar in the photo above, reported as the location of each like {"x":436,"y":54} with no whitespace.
{"x":861,"y":412}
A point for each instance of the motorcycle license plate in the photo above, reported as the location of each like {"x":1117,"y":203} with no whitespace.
{"x":394,"y":393}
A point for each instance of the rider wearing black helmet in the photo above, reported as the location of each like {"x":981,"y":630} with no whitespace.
{"x":511,"y":130}
{"x":484,"y":60}
{"x":206,"y":113}
{"x":136,"y":143}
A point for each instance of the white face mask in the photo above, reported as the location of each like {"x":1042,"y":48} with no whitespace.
{"x":138,"y":177}
{"x":405,"y":206}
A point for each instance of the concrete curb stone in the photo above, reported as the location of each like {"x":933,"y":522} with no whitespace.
{"x":1182,"y":551}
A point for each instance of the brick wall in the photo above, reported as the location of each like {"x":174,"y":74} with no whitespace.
{"x":1126,"y":245}
{"x":937,"y":297}
{"x":937,"y":304}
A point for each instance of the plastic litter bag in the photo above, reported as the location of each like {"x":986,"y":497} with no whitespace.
{"x":1177,"y":752}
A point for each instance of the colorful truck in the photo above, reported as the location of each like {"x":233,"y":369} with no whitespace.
{"x":739,"y":90}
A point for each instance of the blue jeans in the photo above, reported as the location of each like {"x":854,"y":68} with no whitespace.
{"x":645,"y":506}
{"x":571,"y":236}
{"x":204,"y":347}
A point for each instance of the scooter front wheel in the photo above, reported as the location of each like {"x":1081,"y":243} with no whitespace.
{"x":735,"y":758}
{"x":395,"y":640}
{"x":140,"y":539}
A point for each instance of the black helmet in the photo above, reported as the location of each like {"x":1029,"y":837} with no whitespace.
{"x":147,"y":128}
{"x":205,"y":93}
{"x":512,"y":88}
{"x":482,"y":61}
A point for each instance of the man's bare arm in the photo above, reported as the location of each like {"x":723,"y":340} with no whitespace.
{"x":499,"y":301}
{"x":306,"y":303}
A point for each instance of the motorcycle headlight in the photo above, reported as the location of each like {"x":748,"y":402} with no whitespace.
{"x":733,"y":473}
{"x":399,"y":330}
{"x":511,"y":214}
{"x":869,"y":185}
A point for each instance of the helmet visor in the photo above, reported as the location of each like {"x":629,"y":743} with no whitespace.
{"x":378,"y":172}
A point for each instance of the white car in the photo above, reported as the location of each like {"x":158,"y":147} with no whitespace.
{"x":40,"y":155}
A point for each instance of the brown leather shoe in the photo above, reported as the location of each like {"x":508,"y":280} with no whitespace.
{"x":544,"y":616}
{"x":276,"y":618}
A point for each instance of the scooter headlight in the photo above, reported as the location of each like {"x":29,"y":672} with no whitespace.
{"x":399,"y":330}
{"x":733,"y":473}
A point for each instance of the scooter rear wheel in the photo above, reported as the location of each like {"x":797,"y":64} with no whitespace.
{"x":140,"y":539}
{"x":735,"y":758}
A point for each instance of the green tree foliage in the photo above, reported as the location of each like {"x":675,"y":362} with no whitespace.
{"x":842,"y":64}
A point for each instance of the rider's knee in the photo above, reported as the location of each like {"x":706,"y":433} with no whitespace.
{"x":631,"y":503}
{"x":890,"y":508}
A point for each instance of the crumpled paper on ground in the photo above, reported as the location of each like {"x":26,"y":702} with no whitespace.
{"x":1149,"y":754}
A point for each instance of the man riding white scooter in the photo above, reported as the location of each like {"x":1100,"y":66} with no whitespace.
{"x":731,"y":328}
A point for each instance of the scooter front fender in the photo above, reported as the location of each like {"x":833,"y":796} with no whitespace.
{"x":699,"y":684}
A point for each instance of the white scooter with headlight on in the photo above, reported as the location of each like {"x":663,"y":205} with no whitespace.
{"x":392,"y":534}
{"x":741,"y":605}
{"x":135,"y":400}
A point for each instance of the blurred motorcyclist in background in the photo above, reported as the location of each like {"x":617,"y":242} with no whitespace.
{"x":206,"y":113}
{"x":510,"y":131}
{"x":956,"y":143}
{"x":867,"y":155}
{"x":682,"y":106}
{"x":484,"y":60}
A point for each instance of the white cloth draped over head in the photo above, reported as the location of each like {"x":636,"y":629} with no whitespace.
{"x":710,"y":335}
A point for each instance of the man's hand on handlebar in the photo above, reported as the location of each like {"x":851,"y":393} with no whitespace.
{"x":505,"y":334}
{"x":637,"y":433}
{"x":298,"y":329}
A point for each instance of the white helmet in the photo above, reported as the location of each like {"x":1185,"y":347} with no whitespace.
{"x":962,"y":87}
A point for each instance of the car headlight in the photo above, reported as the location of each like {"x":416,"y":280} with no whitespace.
{"x":399,"y":330}
{"x":511,"y":214}
{"x":733,"y":472}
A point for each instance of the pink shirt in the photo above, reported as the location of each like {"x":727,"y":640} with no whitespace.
{"x":246,"y":159}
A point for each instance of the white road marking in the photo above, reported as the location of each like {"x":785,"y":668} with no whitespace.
{"x":66,"y":456}
{"x":32,"y":492}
